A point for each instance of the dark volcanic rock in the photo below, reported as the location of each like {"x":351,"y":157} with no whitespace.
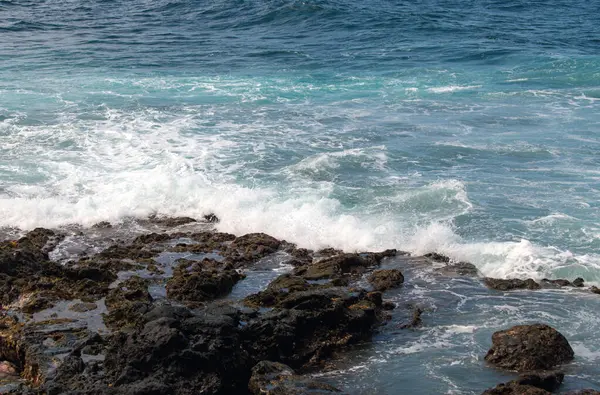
{"x":251,"y":247}
{"x":211,"y":218}
{"x":459,"y":269}
{"x":541,"y":382}
{"x":385,"y":279}
{"x":510,"y":284}
{"x":308,"y":325}
{"x":26,"y":272}
{"x":515,"y":389}
{"x":127,"y":303}
{"x":170,"y":222}
{"x":342,"y":265}
{"x":102,"y":225}
{"x":578,"y":282}
{"x":434,"y":256}
{"x":179,"y":353}
{"x":415,"y":321}
{"x":595,"y":289}
{"x":529,"y":347}
{"x":196,"y":282}
{"x":274,"y":378}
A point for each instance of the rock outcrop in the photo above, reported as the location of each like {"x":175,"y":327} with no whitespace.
{"x":272,"y":378}
{"x":529,"y":347}
{"x":531,"y":383}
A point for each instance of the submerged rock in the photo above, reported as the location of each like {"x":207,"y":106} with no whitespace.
{"x":415,"y":321}
{"x":529,"y":347}
{"x":272,"y":378}
{"x":384,"y":279}
{"x":510,"y":284}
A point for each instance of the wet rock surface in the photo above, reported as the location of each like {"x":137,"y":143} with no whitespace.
{"x":384,"y":279}
{"x":277,"y":378}
{"x":153,"y":313}
{"x":529,"y":347}
{"x":541,"y":382}
{"x":196,"y":282}
{"x":145,"y":316}
{"x":510,"y":284}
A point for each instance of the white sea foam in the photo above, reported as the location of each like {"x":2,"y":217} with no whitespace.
{"x":121,"y":163}
{"x":452,"y":88}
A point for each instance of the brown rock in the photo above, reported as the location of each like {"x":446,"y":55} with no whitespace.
{"x":274,"y":378}
{"x":385,"y":279}
{"x":510,"y":284}
{"x":529,"y":347}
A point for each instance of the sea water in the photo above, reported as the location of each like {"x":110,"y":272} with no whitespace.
{"x":470,"y":128}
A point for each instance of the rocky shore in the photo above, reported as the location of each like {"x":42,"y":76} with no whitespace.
{"x":154,"y":315}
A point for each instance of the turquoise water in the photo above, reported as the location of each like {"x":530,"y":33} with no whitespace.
{"x":464,"y":127}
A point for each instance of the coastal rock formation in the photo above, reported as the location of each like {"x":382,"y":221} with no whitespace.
{"x":196,"y":282}
{"x":459,"y":269}
{"x":531,"y":383}
{"x":127,"y":303}
{"x":271,"y":378}
{"x":342,"y":265}
{"x":384,"y":279}
{"x":510,"y":284}
{"x":529,"y":347}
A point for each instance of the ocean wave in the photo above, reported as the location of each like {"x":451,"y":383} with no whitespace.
{"x":452,"y":88}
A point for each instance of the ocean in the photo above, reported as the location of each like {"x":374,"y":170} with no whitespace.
{"x":468,"y":128}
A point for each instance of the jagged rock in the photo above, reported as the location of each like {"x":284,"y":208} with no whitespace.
{"x":384,"y":279}
{"x":127,"y":303}
{"x":415,"y":321}
{"x":529,"y":347}
{"x":578,"y":282}
{"x":510,"y":284}
{"x":251,"y":247}
{"x":459,"y":269}
{"x":434,"y":256}
{"x":179,"y":353}
{"x":532,"y":383}
{"x":342,"y":265}
{"x":308,"y":325}
{"x":595,"y":289}
{"x":170,"y":222}
{"x":272,"y":378}
{"x":102,"y":225}
{"x":211,"y":218}
{"x":196,"y":282}
{"x":27,"y":273}
{"x":83,"y":307}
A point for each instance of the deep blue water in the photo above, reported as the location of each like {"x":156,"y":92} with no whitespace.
{"x":466,"y":127}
